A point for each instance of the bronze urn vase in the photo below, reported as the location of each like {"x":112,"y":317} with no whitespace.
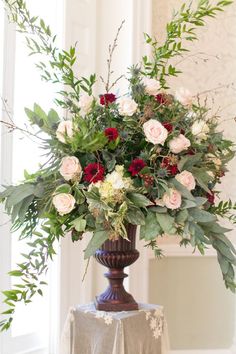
{"x":116,"y":255}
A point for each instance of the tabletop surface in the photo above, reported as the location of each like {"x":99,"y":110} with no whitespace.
{"x":88,"y":331}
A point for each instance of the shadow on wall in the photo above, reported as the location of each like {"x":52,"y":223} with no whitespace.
{"x":200,"y":312}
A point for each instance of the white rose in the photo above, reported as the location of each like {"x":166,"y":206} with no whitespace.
{"x":64,"y":203}
{"x":179,"y":144}
{"x":184,"y":96}
{"x":116,"y":180}
{"x":200,"y":129}
{"x":85,"y":103}
{"x":155,"y":132}
{"x":127,"y":106}
{"x":172,"y":199}
{"x":152,"y":86}
{"x":70,"y":168}
{"x":186,"y":179}
{"x":64,"y":129}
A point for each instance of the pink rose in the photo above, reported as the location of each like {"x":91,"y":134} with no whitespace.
{"x":65,"y":129}
{"x":155,"y":132}
{"x":186,"y":179}
{"x":70,"y":168}
{"x":184,"y":96}
{"x":172,"y":199}
{"x":64,"y":203}
{"x":179,"y":144}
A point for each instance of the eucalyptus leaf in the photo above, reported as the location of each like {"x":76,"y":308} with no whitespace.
{"x":24,"y":207}
{"x":202,"y":178}
{"x":79,"y":224}
{"x":151,"y":229}
{"x":188,"y":161}
{"x":224,"y":250}
{"x":135,"y":216}
{"x":19,"y":193}
{"x":63,"y":188}
{"x":99,"y":237}
{"x":167,"y":223}
{"x":184,"y":191}
{"x":138,"y":199}
{"x":201,"y":216}
{"x":186,"y":204}
{"x":182,"y":216}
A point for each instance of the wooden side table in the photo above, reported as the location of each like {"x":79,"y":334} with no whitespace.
{"x":88,"y":331}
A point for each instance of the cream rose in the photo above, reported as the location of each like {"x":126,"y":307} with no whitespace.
{"x":152,"y":86}
{"x":85,"y":103}
{"x":127,"y":106}
{"x":172,"y":199}
{"x":155,"y":132}
{"x":64,"y":203}
{"x":184,"y":96}
{"x":186,"y":179}
{"x":200,"y":129}
{"x":70,"y":168}
{"x":179,"y":144}
{"x":64,"y":129}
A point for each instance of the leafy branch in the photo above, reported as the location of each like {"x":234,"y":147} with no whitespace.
{"x":226,"y":210}
{"x":56,"y":65}
{"x":182,"y":28}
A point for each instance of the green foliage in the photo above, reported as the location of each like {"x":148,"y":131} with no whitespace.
{"x":181,"y":29}
{"x":56,"y":66}
{"x":103,"y":187}
{"x":151,"y":229}
{"x":96,"y":241}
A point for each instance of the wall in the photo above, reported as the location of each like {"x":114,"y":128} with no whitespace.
{"x":199,"y":310}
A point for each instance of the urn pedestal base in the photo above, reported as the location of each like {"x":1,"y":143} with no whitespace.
{"x":116,"y":255}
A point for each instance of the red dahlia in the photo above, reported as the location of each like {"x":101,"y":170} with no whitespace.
{"x":94,"y":172}
{"x":136,"y":166}
{"x":171,"y":168}
{"x":107,"y":98}
{"x":168,"y":126}
{"x":111,"y":133}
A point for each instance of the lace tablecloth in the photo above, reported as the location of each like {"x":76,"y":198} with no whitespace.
{"x":88,"y":331}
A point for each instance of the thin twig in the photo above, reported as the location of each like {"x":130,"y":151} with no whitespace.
{"x":112,"y":48}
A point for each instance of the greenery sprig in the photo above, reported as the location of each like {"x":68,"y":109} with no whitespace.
{"x":121,"y":173}
{"x":56,"y":66}
{"x":181,"y":29}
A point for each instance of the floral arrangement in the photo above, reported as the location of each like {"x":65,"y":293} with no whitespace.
{"x":150,"y":158}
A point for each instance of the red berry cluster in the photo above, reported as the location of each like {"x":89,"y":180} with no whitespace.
{"x":148,"y":180}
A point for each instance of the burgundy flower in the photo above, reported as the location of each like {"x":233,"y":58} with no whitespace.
{"x":182,"y":131}
{"x":111,"y":133}
{"x":171,"y":167}
{"x":107,"y":98}
{"x":168,"y":126}
{"x":211,"y":197}
{"x":164,"y":99}
{"x":136,"y":166}
{"x":94,"y":172}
